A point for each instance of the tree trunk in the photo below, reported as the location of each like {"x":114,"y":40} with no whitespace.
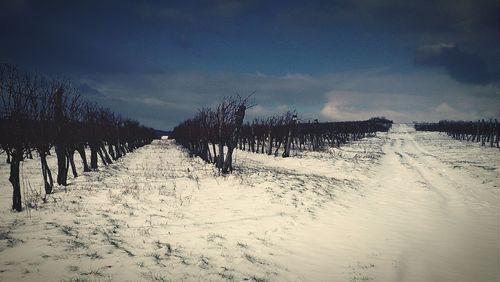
{"x":209,"y":155}
{"x":106,"y":155}
{"x":214,"y":160}
{"x":233,"y":141}
{"x":99,"y":151}
{"x":93,"y":157}
{"x":62,"y":169}
{"x":14,"y":180}
{"x":277,"y":149}
{"x":220,"y":155}
{"x":205,"y":151}
{"x":118,"y":151}
{"x":228,"y":162}
{"x":71,"y":159}
{"x":288,"y":143}
{"x":111,"y":151}
{"x":270,"y":140}
{"x":47,"y":175}
{"x":123,"y":149}
{"x":81,"y":150}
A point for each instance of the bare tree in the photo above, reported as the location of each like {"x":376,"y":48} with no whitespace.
{"x":15,"y":108}
{"x":37,"y":114}
{"x":221,"y":127}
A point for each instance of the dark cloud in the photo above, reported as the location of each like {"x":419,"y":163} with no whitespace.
{"x":396,"y":15}
{"x":119,"y":51}
{"x":460,"y":65}
{"x":76,"y":37}
{"x":117,"y":36}
{"x":473,"y":24}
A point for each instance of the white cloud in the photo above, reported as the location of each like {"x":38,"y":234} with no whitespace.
{"x":282,"y":108}
{"x":343,"y":106}
{"x":409,"y":97}
{"x":444,"y":108}
{"x":445,"y":111}
{"x":257,"y":111}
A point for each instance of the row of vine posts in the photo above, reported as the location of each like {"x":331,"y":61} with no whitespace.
{"x":38,"y":114}
{"x":485,"y":132}
{"x":213,"y":134}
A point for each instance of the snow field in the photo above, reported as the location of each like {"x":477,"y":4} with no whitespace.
{"x":402,"y":206}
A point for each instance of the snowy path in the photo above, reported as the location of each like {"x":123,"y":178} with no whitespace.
{"x":420,"y":220}
{"x":402,"y":206}
{"x":447,"y":221}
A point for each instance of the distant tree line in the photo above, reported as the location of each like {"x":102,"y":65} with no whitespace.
{"x":485,"y":132}
{"x":213,"y":134}
{"x":283,"y":133}
{"x":38,"y":114}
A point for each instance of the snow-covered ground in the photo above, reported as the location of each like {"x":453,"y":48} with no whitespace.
{"x":402,"y":206}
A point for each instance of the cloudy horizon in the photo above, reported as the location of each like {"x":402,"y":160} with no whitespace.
{"x":332,"y":60}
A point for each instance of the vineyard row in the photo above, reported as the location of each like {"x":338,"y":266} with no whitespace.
{"x":485,"y":132}
{"x":38,"y":114}
{"x":213,"y":134}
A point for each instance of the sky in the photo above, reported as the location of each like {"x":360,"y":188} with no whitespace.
{"x":161,"y":61}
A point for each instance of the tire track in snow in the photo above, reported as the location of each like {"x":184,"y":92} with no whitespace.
{"x":448,"y":238}
{"x":401,"y":231}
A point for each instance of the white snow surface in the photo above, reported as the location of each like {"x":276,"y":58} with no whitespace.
{"x":401,"y":206}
